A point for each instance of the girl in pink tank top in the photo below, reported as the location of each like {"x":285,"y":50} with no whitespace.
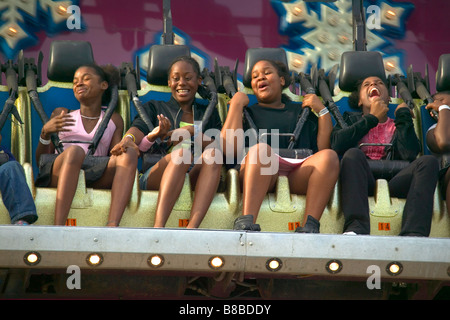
{"x":91,"y":86}
{"x":78,"y":133}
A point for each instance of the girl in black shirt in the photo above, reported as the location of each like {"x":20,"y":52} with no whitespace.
{"x":315,"y":176}
{"x":415,"y":182}
{"x":179,"y":115}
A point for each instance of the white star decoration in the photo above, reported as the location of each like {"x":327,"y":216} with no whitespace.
{"x":391,"y":15}
{"x":22,"y":18}
{"x":320,"y":33}
{"x":12,"y":33}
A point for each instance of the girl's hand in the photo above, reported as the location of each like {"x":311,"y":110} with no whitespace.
{"x":59,"y":123}
{"x":312,"y":101}
{"x":160,"y":131}
{"x":239,"y":99}
{"x":434,"y":105}
{"x":123,"y":145}
{"x":404,"y":105}
{"x":379,"y":108}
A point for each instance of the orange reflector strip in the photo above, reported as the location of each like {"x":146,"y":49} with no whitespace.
{"x":71,"y":222}
{"x":293,"y":225}
{"x":384,"y":226}
{"x":183,"y":222}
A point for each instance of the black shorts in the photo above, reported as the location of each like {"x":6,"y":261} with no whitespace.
{"x":93,"y":167}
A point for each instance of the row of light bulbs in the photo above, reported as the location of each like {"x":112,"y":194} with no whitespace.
{"x":215,"y":263}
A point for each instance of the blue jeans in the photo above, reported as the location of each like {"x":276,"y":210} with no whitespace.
{"x":16,"y":194}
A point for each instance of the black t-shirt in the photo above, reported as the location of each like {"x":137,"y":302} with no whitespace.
{"x":285,"y":120}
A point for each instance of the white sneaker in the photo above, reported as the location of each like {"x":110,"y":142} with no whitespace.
{"x":350,"y":233}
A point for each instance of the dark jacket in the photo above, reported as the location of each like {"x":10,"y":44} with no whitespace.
{"x":173,"y":112}
{"x":406,"y":145}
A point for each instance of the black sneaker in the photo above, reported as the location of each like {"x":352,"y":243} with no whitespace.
{"x":246,"y":223}
{"x":311,"y":226}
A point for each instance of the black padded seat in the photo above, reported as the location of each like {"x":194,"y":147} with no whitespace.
{"x":443,"y":73}
{"x":159,"y":59}
{"x":65,"y":57}
{"x":358,"y":65}
{"x":253,"y":55}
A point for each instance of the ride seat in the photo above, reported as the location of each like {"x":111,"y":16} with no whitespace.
{"x":356,"y":66}
{"x":61,"y":69}
{"x":223,"y":209}
{"x":282,"y":211}
{"x":159,"y":59}
{"x":385,"y":211}
{"x":64,"y":58}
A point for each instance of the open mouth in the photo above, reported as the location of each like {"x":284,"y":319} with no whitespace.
{"x":81,"y":90}
{"x":374,"y":92}
{"x":183,"y":92}
{"x":262,"y":85}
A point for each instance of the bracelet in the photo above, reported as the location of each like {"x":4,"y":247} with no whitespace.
{"x":444,"y":107}
{"x":323,"y":112}
{"x":44,"y":142}
{"x":145,"y":144}
{"x":131,"y":136}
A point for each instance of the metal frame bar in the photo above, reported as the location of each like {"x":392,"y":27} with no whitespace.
{"x":247,"y":252}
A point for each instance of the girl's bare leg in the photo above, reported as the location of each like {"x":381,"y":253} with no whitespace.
{"x":257,"y":178}
{"x":65,"y":172}
{"x":170,"y":187}
{"x":206,"y":180}
{"x":316,"y":178}
{"x":119,"y":176}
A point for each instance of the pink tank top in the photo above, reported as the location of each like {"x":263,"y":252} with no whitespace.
{"x":382,"y":133}
{"x":78,"y":133}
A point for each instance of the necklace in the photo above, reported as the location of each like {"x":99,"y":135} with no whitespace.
{"x":89,"y":118}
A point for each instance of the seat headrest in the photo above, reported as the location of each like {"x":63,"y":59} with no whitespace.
{"x":358,"y":65}
{"x":443,"y":73}
{"x":65,"y":58}
{"x":159,"y":59}
{"x":253,"y":55}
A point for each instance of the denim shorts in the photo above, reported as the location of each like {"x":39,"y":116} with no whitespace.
{"x":143,"y":177}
